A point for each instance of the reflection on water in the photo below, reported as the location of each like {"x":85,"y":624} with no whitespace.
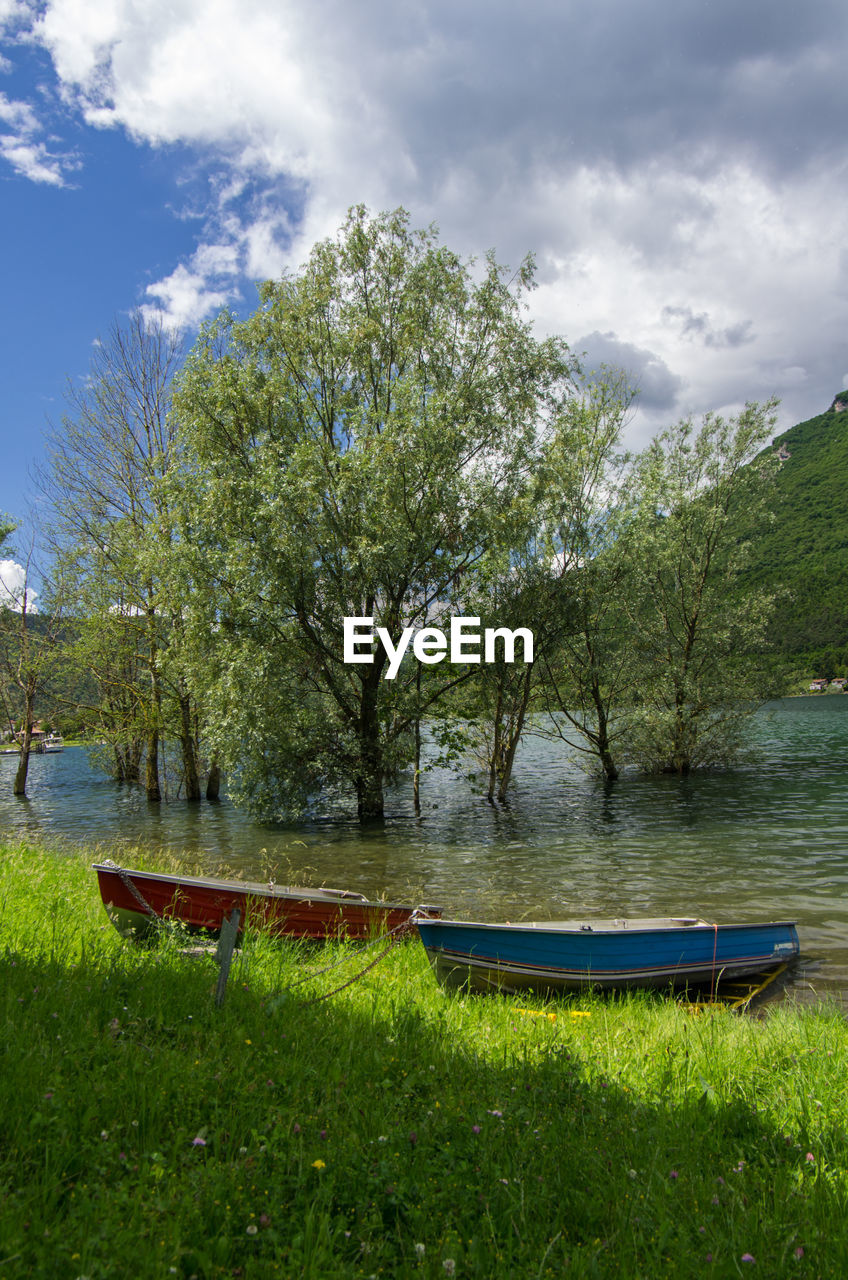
{"x":765,"y":841}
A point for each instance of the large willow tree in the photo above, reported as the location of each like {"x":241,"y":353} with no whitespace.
{"x":351,"y":449}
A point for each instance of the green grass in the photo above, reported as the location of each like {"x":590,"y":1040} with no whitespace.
{"x":393,"y":1129}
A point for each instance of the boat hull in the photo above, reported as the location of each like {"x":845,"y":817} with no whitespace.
{"x":202,"y":904}
{"x":568,"y":956}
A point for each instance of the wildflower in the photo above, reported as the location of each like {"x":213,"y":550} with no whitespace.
{"x":420,"y":1250}
{"x":104,"y":1134}
{"x":198,"y":1141}
{"x":631,"y":1173}
{"x":295,"y":1127}
{"x":323,"y":1135}
{"x":475,"y":1128}
{"x":809,"y":1157}
{"x":264,"y":1220}
{"x":449,"y":1266}
{"x":716,"y":1200}
{"x":252,"y":1229}
{"x":709,"y":1257}
{"x":799,"y":1252}
{"x":318,"y":1164}
{"x":413,"y":1138}
{"x":497,"y":1114}
{"x":748,"y":1257}
{"x":674,"y":1175}
{"x":50,"y":1095}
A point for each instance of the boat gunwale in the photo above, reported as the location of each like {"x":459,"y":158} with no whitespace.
{"x":250,"y":888}
{"x":660,"y":924}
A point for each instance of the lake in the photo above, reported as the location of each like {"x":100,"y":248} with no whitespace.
{"x":768,"y":840}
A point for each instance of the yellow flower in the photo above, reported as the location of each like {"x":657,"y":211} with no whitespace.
{"x":318,"y":1164}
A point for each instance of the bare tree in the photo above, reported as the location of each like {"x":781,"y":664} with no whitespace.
{"x":106,"y":463}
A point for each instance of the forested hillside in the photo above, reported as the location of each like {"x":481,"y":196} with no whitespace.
{"x":806,"y":549}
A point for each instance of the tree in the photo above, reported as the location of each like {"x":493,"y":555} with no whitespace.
{"x":28,"y":654}
{"x":588,"y":502}
{"x":703,"y":495}
{"x":106,"y":461}
{"x":350,"y":450}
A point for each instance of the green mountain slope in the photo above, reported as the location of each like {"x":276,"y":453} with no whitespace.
{"x":806,"y":549}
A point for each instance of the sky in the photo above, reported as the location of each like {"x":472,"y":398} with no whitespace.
{"x":678,"y":170}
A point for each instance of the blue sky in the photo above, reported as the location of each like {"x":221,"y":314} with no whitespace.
{"x":680,"y":172}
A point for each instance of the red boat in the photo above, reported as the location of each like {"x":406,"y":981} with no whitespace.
{"x":136,"y":901}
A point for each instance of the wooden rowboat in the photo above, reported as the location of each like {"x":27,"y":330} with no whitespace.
{"x":569,"y":954}
{"x":136,"y":901}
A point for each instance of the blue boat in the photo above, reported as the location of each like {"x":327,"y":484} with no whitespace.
{"x":567,"y":955}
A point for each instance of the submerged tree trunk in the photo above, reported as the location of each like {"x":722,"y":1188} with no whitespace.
{"x":494,"y":758}
{"x":369,"y":784}
{"x":151,"y":781}
{"x":189,"y":748}
{"x":19,"y":785}
{"x":213,"y":781}
{"x":152,"y":788}
{"x":515,"y":733}
{"x":603,"y":739}
{"x":369,"y":779}
{"x":416,"y":777}
{"x":151,"y":765}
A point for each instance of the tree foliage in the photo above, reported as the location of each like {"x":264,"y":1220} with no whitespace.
{"x":702,"y":497}
{"x":354,"y":448}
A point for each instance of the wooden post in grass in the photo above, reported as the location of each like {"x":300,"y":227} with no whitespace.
{"x":224,"y":954}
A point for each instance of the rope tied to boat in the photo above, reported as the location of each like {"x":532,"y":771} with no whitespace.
{"x":128,"y":884}
{"x":395,"y":936}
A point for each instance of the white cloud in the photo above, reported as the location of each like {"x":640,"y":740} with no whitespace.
{"x":14,"y":11}
{"x":183,"y":299}
{"x":28,"y":156}
{"x":678,"y":171}
{"x":12,"y":583}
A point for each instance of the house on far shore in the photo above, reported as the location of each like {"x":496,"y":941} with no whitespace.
{"x":39,"y":733}
{"x":839,"y":682}
{"x":818,"y":686}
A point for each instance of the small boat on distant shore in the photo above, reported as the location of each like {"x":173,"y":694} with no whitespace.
{"x":562,"y":955}
{"x":136,"y":901}
{"x":53,"y":742}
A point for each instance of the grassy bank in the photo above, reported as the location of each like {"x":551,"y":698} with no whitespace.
{"x":392,"y":1130}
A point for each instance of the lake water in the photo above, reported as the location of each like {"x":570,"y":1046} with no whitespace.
{"x":768,"y":840}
